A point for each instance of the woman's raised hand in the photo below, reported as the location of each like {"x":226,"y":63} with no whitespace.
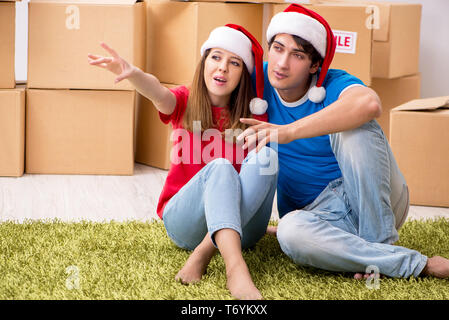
{"x":115,"y":63}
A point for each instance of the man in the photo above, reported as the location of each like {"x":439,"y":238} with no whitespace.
{"x":341,"y":197}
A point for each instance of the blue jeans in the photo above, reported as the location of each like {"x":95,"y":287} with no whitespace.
{"x":219,"y":197}
{"x":353,"y":223}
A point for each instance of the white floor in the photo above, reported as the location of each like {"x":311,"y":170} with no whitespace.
{"x":103,"y":198}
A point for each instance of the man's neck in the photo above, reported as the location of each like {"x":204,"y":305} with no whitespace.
{"x":294,"y":94}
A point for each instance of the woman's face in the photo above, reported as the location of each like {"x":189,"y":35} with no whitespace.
{"x":222,"y":72}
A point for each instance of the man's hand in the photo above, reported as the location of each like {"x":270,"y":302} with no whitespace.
{"x":261,"y":133}
{"x":115,"y":64}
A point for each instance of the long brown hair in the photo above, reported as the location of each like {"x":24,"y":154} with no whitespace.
{"x":199,"y":104}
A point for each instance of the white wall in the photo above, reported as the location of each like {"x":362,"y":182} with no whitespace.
{"x":21,"y":40}
{"x":434,"y":46}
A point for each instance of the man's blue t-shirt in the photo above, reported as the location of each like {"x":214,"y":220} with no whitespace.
{"x":306,"y":166}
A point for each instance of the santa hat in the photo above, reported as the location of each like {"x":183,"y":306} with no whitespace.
{"x":238,"y":40}
{"x":309,"y":25}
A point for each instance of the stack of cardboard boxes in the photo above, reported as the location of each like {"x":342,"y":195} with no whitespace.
{"x":175,"y":33}
{"x":371,"y":45}
{"x":77,"y":120}
{"x":12,"y":99}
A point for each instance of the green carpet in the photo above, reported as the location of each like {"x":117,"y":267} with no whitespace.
{"x":55,"y":260}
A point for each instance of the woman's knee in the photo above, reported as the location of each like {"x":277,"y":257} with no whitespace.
{"x":267,"y":159}
{"x":221,"y":167}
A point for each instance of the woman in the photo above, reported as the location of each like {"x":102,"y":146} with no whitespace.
{"x":216,"y":195}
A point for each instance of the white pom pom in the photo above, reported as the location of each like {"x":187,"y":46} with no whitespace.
{"x":258,"y":106}
{"x":317,"y":94}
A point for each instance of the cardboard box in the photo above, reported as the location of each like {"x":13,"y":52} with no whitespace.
{"x":176,"y":31}
{"x":394,"y":92}
{"x":80,"y":132}
{"x":396,"y":42}
{"x":12,"y":132}
{"x":396,"y":35}
{"x":354,"y":42}
{"x":420,"y":142}
{"x":62,"y":33}
{"x":7,"y":44}
{"x":254,"y":1}
{"x":153,"y":143}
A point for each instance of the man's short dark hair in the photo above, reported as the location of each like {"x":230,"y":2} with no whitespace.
{"x":309,"y":49}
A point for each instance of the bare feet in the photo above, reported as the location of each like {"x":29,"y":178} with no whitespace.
{"x":193,"y":269}
{"x":240,"y":284}
{"x":437,"y":266}
{"x":361,"y":276}
{"x":196,"y":265}
{"x":272,"y":230}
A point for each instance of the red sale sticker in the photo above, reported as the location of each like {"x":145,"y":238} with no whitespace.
{"x":346,"y":41}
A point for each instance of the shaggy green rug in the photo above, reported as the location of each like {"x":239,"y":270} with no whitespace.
{"x":55,"y":260}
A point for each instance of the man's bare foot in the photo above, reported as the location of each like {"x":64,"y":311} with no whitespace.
{"x":195,"y":266}
{"x":240,"y":284}
{"x":437,"y":266}
{"x":361,"y":276}
{"x":272,"y":230}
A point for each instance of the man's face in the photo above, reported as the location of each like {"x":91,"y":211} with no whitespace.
{"x":289,"y":67}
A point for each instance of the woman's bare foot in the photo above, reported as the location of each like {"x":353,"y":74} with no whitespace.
{"x":240,"y":284}
{"x":437,"y":266}
{"x":193,"y":270}
{"x":196,"y":265}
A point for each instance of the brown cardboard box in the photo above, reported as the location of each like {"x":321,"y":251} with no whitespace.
{"x":394,"y":92}
{"x":176,"y":31}
{"x":7,"y":44}
{"x":255,"y":1}
{"x":348,"y":24}
{"x":396,"y":34}
{"x":62,"y":33}
{"x":153,"y":143}
{"x":12,"y":131}
{"x":419,"y":133}
{"x":396,"y":42}
{"x":80,"y":132}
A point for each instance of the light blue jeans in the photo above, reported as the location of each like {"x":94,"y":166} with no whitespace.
{"x":219,"y":197}
{"x":353,"y":223}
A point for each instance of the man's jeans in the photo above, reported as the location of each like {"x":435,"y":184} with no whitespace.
{"x":353,"y":223}
{"x":219,"y":197}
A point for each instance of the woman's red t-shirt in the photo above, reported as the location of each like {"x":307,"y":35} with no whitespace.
{"x":191,"y":152}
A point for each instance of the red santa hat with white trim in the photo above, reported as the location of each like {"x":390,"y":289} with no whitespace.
{"x":309,"y":25}
{"x":238,"y":40}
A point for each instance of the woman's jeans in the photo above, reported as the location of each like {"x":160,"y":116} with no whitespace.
{"x":352,"y":225}
{"x":219,"y":197}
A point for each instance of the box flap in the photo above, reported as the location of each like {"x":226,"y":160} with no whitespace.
{"x":425,"y":104}
{"x":89,"y":1}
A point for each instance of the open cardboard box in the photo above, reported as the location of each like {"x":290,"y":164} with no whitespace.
{"x":419,"y":137}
